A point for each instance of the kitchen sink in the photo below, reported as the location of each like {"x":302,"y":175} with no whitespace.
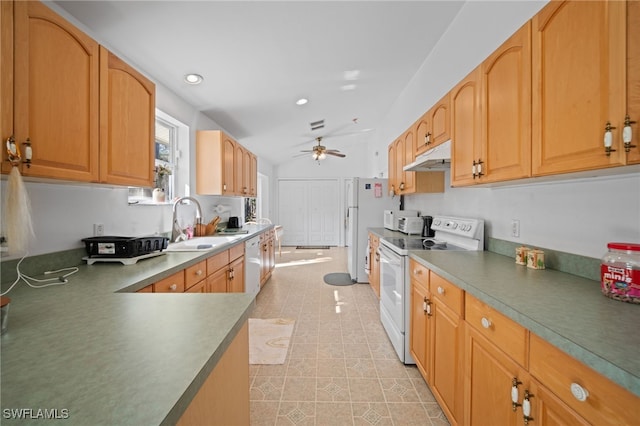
{"x":202,"y":243}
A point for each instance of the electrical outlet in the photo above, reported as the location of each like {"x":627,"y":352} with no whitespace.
{"x":98,"y":229}
{"x":515,"y":228}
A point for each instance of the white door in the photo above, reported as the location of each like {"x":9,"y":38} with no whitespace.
{"x":310,"y":212}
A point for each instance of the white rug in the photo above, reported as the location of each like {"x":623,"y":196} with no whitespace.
{"x":269,"y":340}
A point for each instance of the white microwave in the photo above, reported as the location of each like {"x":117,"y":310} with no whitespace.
{"x":391,"y":217}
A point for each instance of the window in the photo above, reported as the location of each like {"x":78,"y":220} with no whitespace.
{"x":168,"y":133}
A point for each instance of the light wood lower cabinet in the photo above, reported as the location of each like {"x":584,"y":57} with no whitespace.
{"x":566,"y":379}
{"x":221,"y":273}
{"x":420,"y":314}
{"x":267,"y":255}
{"x":446,"y":345}
{"x":489,"y":378}
{"x":436,"y":339}
{"x":485,"y":369}
{"x":223,"y":399}
{"x":374,"y":264}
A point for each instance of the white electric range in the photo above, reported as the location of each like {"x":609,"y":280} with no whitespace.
{"x":451,"y":234}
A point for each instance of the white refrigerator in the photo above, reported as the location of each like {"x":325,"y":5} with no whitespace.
{"x":366,"y":201}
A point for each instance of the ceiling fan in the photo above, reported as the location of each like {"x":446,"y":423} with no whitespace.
{"x":320,"y":152}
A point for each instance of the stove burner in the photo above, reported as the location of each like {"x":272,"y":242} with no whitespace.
{"x":428,"y":244}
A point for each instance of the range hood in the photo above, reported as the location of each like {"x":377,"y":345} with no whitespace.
{"x":437,"y":158}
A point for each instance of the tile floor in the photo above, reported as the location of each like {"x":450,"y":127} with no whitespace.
{"x":341,"y":368}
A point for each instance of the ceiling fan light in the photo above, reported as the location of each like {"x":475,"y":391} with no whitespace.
{"x":322,"y":156}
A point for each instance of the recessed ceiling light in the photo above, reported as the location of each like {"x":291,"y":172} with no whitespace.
{"x":351,"y":75}
{"x":302,"y":101}
{"x":348,"y":87}
{"x":193,"y":78}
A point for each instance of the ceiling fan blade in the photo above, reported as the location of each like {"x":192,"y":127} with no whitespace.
{"x":335,"y":154}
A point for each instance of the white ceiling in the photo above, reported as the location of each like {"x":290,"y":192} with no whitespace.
{"x":257,"y":58}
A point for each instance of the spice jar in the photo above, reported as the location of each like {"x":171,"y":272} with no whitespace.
{"x":620,"y":272}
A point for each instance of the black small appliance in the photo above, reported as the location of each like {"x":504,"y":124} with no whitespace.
{"x":426,"y":227}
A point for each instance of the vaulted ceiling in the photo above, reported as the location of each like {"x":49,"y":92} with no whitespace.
{"x":350,"y":59}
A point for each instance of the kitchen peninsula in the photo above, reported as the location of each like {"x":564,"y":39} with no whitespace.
{"x":94,"y":351}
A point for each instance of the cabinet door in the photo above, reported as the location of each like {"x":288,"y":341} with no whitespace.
{"x":246,"y":174}
{"x":253,"y":178}
{"x":506,"y":109}
{"x":578,"y":85}
{"x":465,"y":129}
{"x":408,"y":156}
{"x":548,"y":410}
{"x":238,"y":172}
{"x":228,"y":165}
{"x":419,"y":324}
{"x":57,"y":113}
{"x":6,"y":77}
{"x":217,"y":282}
{"x":446,"y":346}
{"x":127,"y":123}
{"x":200,"y":287}
{"x":633,"y":77}
{"x":391,"y":158}
{"x":400,"y":158}
{"x":440,"y":121}
{"x":236,"y":280}
{"x":488,"y":379}
{"x":374,"y":273}
{"x":424,"y":137}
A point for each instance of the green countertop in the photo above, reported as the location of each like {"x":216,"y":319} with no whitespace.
{"x":568,"y":311}
{"x":104,"y":355}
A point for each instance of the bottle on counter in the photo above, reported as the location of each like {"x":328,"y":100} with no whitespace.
{"x":620,"y":272}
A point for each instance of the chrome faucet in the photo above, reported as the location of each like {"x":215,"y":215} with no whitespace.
{"x":177,"y":233}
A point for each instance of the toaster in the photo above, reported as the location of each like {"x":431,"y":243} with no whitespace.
{"x":410,"y":225}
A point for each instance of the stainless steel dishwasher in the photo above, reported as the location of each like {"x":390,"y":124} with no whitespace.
{"x":252,"y":265}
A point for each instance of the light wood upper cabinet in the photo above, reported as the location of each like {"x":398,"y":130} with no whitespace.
{"x":506,"y":110}
{"x":409,"y":178}
{"x":391,"y":159}
{"x":423,"y":132}
{"x":440,"y":121}
{"x":434,"y":127}
{"x":127,"y":123}
{"x":88,"y":115}
{"x":253,"y":177}
{"x":239,"y":169}
{"x":57,"y":113}
{"x":6,"y":76}
{"x":633,"y":77}
{"x":578,"y":85}
{"x":465,"y":129}
{"x":223,"y":166}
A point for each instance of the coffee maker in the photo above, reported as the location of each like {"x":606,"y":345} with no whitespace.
{"x":427,"y":232}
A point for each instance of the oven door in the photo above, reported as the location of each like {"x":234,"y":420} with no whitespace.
{"x":392,"y":286}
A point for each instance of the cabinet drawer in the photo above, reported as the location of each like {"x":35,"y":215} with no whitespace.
{"x":509,"y":336}
{"x":419,"y":273}
{"x":446,"y":292}
{"x":195,"y":273}
{"x":147,"y":289}
{"x":172,"y":284}
{"x":606,"y":403}
{"x":217,"y":261}
{"x":236,"y":251}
